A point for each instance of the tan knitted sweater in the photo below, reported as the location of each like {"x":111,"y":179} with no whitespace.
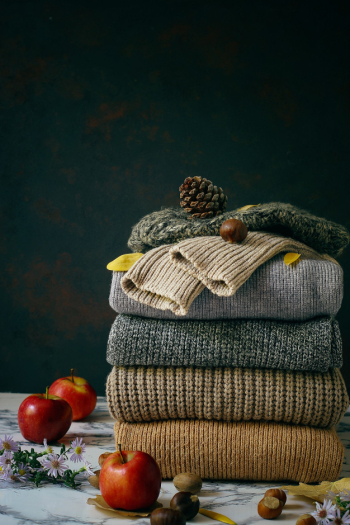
{"x":246,"y":450}
{"x":172,"y":276}
{"x":229,"y":394}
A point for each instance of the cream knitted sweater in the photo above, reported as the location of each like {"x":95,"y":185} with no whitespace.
{"x":172,"y":276}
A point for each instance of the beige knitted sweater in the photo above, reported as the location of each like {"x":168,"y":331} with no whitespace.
{"x":229,"y":394}
{"x":261,"y":451}
{"x":172,"y":276}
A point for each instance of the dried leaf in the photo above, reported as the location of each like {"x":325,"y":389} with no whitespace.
{"x":99,"y":502}
{"x":290,"y":258}
{"x":318,"y":492}
{"x":103,"y":457}
{"x":247,"y":207}
{"x":95,"y":479}
{"x":216,"y":516}
{"x":124,"y":262}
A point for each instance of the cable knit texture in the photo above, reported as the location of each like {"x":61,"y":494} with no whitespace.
{"x":243,"y":451}
{"x":171,"y":277}
{"x":137,"y":394}
{"x":311,"y":288}
{"x":172,"y":225}
{"x":313,"y":345}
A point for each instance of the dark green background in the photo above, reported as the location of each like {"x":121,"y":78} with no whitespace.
{"x":107,"y":106}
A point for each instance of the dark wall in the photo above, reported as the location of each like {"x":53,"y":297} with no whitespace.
{"x":107,"y":106}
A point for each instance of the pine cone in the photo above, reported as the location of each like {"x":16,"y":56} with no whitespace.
{"x":201,"y":199}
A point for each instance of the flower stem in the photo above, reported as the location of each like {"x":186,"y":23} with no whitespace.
{"x":71,"y":373}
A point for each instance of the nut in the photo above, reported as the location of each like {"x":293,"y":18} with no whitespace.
{"x":269,"y":508}
{"x":277,"y":493}
{"x":233,"y":230}
{"x":103,"y":458}
{"x":187,"y":503}
{"x":167,"y":517}
{"x":306,"y":519}
{"x":94,"y":479}
{"x":188,"y":482}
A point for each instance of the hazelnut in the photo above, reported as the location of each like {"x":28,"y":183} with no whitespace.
{"x":188,"y":482}
{"x":233,"y":230}
{"x":102,"y":458}
{"x":167,"y":517}
{"x":270,"y":508}
{"x":277,"y":493}
{"x":306,"y":519}
{"x":187,"y":503}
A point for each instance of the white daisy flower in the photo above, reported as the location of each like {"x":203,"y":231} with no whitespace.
{"x":47,"y":447}
{"x":344,"y":495}
{"x":54,"y":464}
{"x":324,"y":512}
{"x":79,"y":448}
{"x":338,"y":520}
{"x":8,"y":444}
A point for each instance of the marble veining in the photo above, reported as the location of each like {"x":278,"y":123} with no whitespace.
{"x":24,"y":504}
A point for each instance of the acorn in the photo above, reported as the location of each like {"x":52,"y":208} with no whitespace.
{"x":167,"y":517}
{"x":277,"y":493}
{"x":233,"y":230}
{"x":306,"y":519}
{"x":188,"y":482}
{"x":270,"y":508}
{"x":187,"y":503}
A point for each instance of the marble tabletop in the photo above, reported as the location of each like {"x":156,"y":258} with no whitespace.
{"x":24,"y":504}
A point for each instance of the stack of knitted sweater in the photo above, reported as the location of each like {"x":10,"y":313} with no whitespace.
{"x":225,"y":359}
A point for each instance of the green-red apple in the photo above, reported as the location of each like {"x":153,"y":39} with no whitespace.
{"x":134,"y":484}
{"x":79,"y":394}
{"x":43,"y":416}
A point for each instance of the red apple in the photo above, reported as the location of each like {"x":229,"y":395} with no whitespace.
{"x":79,"y":394}
{"x":132,"y":484}
{"x":43,"y":416}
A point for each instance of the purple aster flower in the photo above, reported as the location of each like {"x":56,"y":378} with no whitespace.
{"x":79,"y":448}
{"x":339,"y":520}
{"x":54,"y":464}
{"x":8,"y":444}
{"x":325,"y":512}
{"x":6,"y":459}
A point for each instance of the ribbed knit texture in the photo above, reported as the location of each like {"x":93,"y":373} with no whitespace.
{"x":172,"y":225}
{"x":311,"y":288}
{"x":136,"y":394}
{"x":171,"y":277}
{"x":242,"y":451}
{"x":313,"y":345}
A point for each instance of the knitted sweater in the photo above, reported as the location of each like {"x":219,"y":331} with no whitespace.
{"x":313,"y":345}
{"x":171,"y":277}
{"x":229,"y":394}
{"x":311,"y":288}
{"x":172,"y":225}
{"x":250,"y":450}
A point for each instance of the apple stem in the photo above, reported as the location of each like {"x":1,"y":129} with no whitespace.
{"x":71,"y":373}
{"x":120,"y":452}
{"x":47,"y":392}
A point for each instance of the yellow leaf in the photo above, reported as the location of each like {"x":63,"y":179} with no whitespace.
{"x":244,"y":208}
{"x":290,"y":258}
{"x":99,"y":502}
{"x":124,"y":262}
{"x":318,"y":492}
{"x":216,"y":516}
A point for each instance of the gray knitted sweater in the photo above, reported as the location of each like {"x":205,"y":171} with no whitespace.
{"x":313,"y":345}
{"x":310,"y":289}
{"x":172,"y":225}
